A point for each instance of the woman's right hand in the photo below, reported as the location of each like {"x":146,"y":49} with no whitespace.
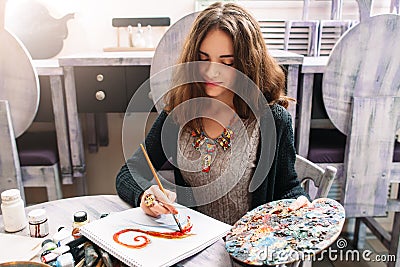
{"x":159,"y":204}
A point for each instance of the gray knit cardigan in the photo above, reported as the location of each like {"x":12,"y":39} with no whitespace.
{"x":275,"y":164}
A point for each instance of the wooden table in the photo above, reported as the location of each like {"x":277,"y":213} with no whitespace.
{"x":310,"y":66}
{"x":60,"y":213}
{"x":139,"y":58}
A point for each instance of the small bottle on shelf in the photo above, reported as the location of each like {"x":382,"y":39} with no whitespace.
{"x":139,"y":40}
{"x":149,"y":37}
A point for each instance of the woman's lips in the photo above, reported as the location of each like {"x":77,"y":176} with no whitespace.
{"x":209,"y":83}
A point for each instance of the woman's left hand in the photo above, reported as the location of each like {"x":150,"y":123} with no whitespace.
{"x":300,"y":202}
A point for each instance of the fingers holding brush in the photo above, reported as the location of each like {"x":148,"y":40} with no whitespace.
{"x":166,"y":195}
{"x":154,"y":202}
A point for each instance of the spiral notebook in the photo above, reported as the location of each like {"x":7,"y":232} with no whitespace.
{"x":160,"y":251}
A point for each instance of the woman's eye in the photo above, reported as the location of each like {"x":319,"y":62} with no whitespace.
{"x":228,"y":63}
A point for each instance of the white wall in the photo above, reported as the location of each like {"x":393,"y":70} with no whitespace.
{"x":91,"y":29}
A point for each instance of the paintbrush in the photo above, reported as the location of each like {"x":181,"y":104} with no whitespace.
{"x":158,"y":182}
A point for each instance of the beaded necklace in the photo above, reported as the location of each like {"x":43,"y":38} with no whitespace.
{"x":207,"y":146}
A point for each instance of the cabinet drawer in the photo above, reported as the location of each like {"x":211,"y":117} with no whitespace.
{"x":135,"y":77}
{"x":100,"y":89}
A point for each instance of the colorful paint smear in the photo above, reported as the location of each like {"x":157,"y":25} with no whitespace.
{"x":272,"y":234}
{"x":142,"y":241}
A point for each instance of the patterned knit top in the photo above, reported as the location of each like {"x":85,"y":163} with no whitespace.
{"x":222,"y":193}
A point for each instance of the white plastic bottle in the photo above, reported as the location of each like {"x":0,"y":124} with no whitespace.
{"x":139,"y":40}
{"x":149,"y":37}
{"x":12,"y":208}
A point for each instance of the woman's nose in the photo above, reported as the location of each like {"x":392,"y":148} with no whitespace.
{"x":213,"y":70}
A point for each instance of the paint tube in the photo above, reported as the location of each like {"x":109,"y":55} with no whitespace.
{"x":75,"y":247}
{"x":63,"y":236}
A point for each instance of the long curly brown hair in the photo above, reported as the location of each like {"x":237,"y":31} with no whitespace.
{"x":251,"y":57}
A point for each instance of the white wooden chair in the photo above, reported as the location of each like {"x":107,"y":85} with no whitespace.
{"x":363,"y":103}
{"x":273,"y":33}
{"x":10,"y":171}
{"x":301,"y":37}
{"x":322,"y":178}
{"x":40,"y":164}
{"x":394,"y":6}
{"x":293,"y":35}
{"x":37,"y":167}
{"x":329,"y":33}
{"x":13,"y":174}
{"x":19,"y":100}
{"x":336,"y":9}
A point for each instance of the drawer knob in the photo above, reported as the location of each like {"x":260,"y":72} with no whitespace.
{"x":100,"y":77}
{"x":100,"y":95}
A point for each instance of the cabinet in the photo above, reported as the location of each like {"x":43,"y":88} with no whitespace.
{"x":137,"y":77}
{"x":100,"y":89}
{"x":110,"y":88}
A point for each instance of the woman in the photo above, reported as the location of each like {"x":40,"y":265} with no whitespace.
{"x":232,"y":146}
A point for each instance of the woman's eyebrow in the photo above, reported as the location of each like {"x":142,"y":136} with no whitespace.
{"x":203,"y":53}
{"x":222,"y":56}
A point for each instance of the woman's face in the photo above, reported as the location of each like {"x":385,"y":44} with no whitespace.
{"x":218,"y":72}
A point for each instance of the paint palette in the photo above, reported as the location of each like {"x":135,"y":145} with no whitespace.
{"x":271,"y":234}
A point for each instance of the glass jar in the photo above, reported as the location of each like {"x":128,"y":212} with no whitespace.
{"x":80,"y":219}
{"x":38,"y":225}
{"x":12,"y":208}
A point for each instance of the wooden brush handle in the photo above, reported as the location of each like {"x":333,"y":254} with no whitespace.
{"x":152,"y":169}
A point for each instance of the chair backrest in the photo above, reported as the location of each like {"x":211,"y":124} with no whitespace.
{"x":329,"y":34}
{"x":19,"y":88}
{"x":19,"y":95}
{"x":10,"y":171}
{"x":295,"y":36}
{"x":273,"y":32}
{"x":322,"y":178}
{"x":336,"y":9}
{"x":362,"y":98}
{"x":394,"y":6}
{"x":301,"y":37}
